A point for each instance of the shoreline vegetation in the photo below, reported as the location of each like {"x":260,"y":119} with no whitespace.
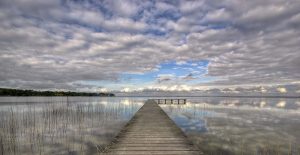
{"x":20,"y":92}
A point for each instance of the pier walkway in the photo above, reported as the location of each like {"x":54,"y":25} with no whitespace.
{"x":151,"y":131}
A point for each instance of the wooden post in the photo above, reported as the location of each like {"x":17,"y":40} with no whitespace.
{"x":165,"y":101}
{"x":171,"y":101}
{"x":178,"y":101}
{"x":184,"y":101}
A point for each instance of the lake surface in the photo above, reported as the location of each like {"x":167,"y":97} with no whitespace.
{"x":62,"y":125}
{"x":85,"y":125}
{"x":240,"y":125}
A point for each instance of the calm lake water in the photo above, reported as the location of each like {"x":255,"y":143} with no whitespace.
{"x":84,"y":125}
{"x":62,"y":125}
{"x":240,"y":125}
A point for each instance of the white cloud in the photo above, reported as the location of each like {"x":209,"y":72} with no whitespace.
{"x":282,"y":90}
{"x":162,"y":6}
{"x":124,"y":24}
{"x":124,"y":7}
{"x":217,"y":16}
{"x":181,"y":63}
{"x":126,"y":90}
{"x":103,"y":90}
{"x":188,"y":7}
{"x":261,"y":13}
{"x":46,"y":44}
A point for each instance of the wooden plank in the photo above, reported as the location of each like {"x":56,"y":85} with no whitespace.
{"x":151,"y":131}
{"x":161,"y":152}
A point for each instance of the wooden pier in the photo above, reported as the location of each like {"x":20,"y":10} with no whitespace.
{"x":170,"y":101}
{"x":150,"y":132}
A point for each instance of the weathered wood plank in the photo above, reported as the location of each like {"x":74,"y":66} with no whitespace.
{"x":151,"y":131}
{"x":154,"y":153}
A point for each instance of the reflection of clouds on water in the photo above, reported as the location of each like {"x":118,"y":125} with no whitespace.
{"x":63,"y":121}
{"x":262,"y":104}
{"x":103,"y":102}
{"x":188,"y":117}
{"x":230,"y":103}
{"x":125,"y":102}
{"x":130,"y":102}
{"x":188,"y":104}
{"x":258,"y":122}
{"x":189,"y":124}
{"x":281,"y":104}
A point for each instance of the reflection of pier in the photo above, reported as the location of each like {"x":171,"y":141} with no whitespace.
{"x":151,"y":131}
{"x":170,"y":101}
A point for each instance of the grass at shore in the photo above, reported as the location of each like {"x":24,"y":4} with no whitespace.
{"x":60,"y":128}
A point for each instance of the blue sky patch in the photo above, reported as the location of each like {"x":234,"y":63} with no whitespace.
{"x":172,"y":72}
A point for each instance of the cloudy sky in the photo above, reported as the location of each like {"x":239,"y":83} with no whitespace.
{"x":124,"y":45}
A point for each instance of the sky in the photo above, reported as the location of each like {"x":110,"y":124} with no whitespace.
{"x":143,"y":46}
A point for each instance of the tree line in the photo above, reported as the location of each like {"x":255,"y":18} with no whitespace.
{"x":19,"y":92}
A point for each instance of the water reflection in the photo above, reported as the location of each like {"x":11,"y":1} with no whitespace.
{"x":62,"y":125}
{"x":283,"y":103}
{"x":240,"y":125}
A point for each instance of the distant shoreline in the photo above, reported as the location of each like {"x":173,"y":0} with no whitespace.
{"x":7,"y":92}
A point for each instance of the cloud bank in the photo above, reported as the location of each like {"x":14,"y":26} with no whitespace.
{"x":89,"y":45}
